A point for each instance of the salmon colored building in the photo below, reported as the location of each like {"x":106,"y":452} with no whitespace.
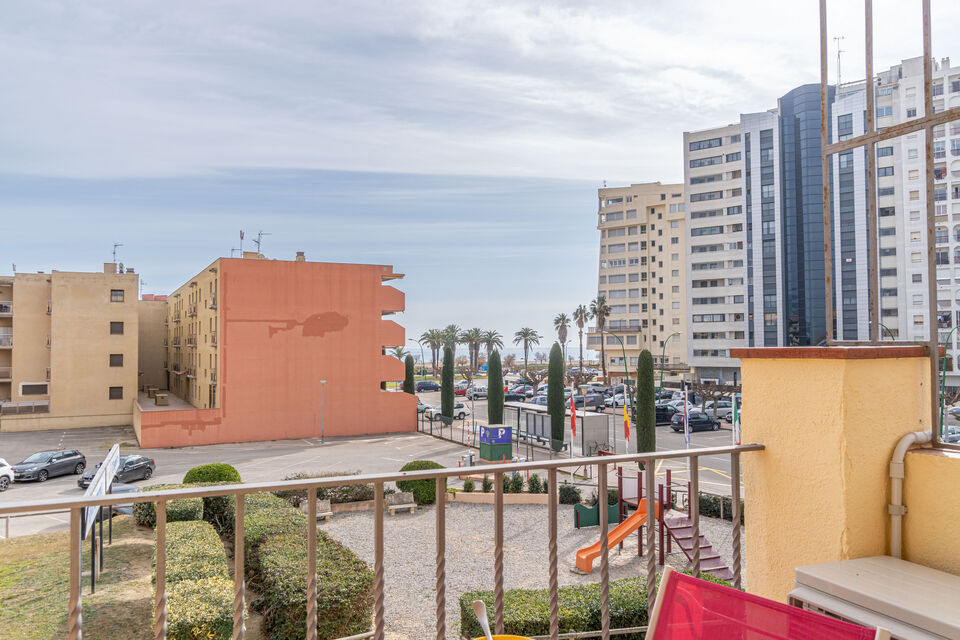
{"x":249,"y":342}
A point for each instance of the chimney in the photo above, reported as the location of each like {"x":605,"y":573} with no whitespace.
{"x":109,"y":267}
{"x":129,"y":269}
{"x":300,"y":257}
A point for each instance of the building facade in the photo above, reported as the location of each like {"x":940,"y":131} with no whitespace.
{"x":715,"y":289}
{"x":641,"y":274}
{"x":68,"y":349}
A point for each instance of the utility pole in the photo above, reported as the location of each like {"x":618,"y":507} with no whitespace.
{"x":837,"y":39}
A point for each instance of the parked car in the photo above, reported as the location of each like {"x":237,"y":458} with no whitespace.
{"x":953,"y":435}
{"x":593,"y":401}
{"x":698,"y":421}
{"x":617,"y":400}
{"x":596,"y":387}
{"x":47,"y":464}
{"x":131,"y":468}
{"x":724,"y":407}
{"x":426,"y":385}
{"x":678,"y":405}
{"x":460,"y":388}
{"x":421,"y":407}
{"x":524,"y":388}
{"x":460,"y":411}
{"x":539,"y":399}
{"x":620,"y":387}
{"x":665,"y":413}
{"x":476,"y":392}
{"x":6,"y":475}
{"x":120,"y":487}
{"x":510,"y":396}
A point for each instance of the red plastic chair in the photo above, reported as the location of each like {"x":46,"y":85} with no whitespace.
{"x":689,"y":608}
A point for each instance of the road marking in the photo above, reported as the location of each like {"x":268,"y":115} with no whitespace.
{"x":393,"y":459}
{"x":307,"y":441}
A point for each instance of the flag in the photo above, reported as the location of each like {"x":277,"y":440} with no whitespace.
{"x":736,"y":420}
{"x":626,"y":421}
{"x":573,"y":417}
{"x":686,"y":421}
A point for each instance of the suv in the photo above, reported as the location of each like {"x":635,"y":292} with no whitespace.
{"x":698,"y":421}
{"x":427,"y":385}
{"x":592,"y":401}
{"x":476,"y":392}
{"x":665,"y":413}
{"x":460,"y":411}
{"x":6,"y":475}
{"x":46,"y":464}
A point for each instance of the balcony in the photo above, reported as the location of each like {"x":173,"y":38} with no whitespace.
{"x":213,"y":339}
{"x":6,"y":341}
{"x":176,"y":344}
{"x":176,"y":319}
{"x":6,"y":374}
{"x":166,"y":345}
{"x":6,"y":309}
{"x":191,"y":343}
{"x":212,"y":305}
{"x":21,"y":408}
{"x":213,"y":376}
{"x":192,"y":311}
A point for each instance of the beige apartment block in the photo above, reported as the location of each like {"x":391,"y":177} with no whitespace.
{"x":152,"y":314}
{"x":193,"y":354}
{"x":642,"y":275}
{"x":68,"y":349}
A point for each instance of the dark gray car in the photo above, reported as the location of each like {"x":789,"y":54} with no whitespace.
{"x":131,"y":468}
{"x":47,"y":464}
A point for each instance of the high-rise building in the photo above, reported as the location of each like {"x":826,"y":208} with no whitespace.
{"x":68,"y":349}
{"x":715,"y":288}
{"x":642,"y":274}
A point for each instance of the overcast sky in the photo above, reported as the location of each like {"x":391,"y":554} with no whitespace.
{"x":462,"y":142}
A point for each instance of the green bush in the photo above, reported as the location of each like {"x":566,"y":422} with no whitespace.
{"x":569,"y":494}
{"x":494,"y":389}
{"x":534,"y":485}
{"x":487,"y":485}
{"x":145,"y":513}
{"x":507,"y":486}
{"x":468,"y":486}
{"x":710,"y":507}
{"x":217,"y":510}
{"x":408,"y":384}
{"x":613,"y":497}
{"x":526,"y":612}
{"x":336,"y":495}
{"x":267,"y":515}
{"x":516,"y":483}
{"x":213,"y":472}
{"x":424,"y":491}
{"x":199,"y":588}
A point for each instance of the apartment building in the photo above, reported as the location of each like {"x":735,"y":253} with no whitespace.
{"x":713,"y":162}
{"x":641,"y":274}
{"x":901,"y":209}
{"x":68,"y":349}
{"x":193,"y":353}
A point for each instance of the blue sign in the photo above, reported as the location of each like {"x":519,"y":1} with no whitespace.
{"x":495,"y":435}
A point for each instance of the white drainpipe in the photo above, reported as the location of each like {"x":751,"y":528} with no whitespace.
{"x":896,"y":507}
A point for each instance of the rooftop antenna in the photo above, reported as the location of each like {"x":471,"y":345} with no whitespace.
{"x":233,"y":250}
{"x":115,"y":245}
{"x":141,"y":288}
{"x":14,"y":265}
{"x":259,"y":239}
{"x":241,"y":244}
{"x":837,"y":39}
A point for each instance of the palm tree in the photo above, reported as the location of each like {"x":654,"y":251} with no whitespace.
{"x":434,"y":340}
{"x":581,"y":316}
{"x":561,"y":323}
{"x":526,"y":336}
{"x":472,"y":338}
{"x":450,"y":336}
{"x":399,"y":353}
{"x":492,"y":340}
{"x":599,"y":311}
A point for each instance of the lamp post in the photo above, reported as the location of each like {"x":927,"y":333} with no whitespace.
{"x":423,"y":364}
{"x":663,"y":356}
{"x":626,"y":373}
{"x":323,"y":406}
{"x":889,"y":333}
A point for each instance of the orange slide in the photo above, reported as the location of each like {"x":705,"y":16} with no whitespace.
{"x":637,"y":519}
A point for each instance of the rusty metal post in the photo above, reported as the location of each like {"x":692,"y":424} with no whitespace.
{"x":239,"y":575}
{"x":75,"y":603}
{"x":651,"y":479}
{"x":554,"y":580}
{"x":873,"y":273}
{"x":379,"y":628}
{"x":498,"y":552}
{"x":695,"y":511}
{"x":603,"y":510}
{"x":934,"y":338}
{"x":669,"y":501}
{"x":441,"y":597}
{"x":660,"y":522}
{"x":735,"y":497}
{"x":825,"y":177}
{"x":312,"y":563}
{"x":160,"y":593}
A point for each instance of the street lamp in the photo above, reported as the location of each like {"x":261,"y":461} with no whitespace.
{"x":626,"y":373}
{"x":423,"y":364}
{"x":323,"y":406}
{"x":663,"y":356}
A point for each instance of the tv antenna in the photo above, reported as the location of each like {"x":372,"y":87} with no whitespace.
{"x":142,"y":282}
{"x":837,"y":39}
{"x":115,"y":246}
{"x":241,"y":244}
{"x":259,"y":239}
{"x":234,"y":250}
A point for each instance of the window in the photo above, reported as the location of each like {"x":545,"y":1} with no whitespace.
{"x":766,"y":191}
{"x":706,"y":214}
{"x":674,"y":224}
{"x":911,"y":113}
{"x":706,"y":144}
{"x":884,"y":151}
{"x":116,"y":295}
{"x":917,"y":277}
{"x":706,"y":231}
{"x":886,"y":191}
{"x":116,"y":359}
{"x":888,"y":231}
{"x":716,"y":177}
{"x":915,"y":256}
{"x":706,"y":162}
{"x":38,"y":389}
{"x":116,"y":393}
{"x":884,"y":171}
{"x":733,"y":157}
{"x":709,"y":195}
{"x":886,"y":211}
{"x":911,"y":154}
{"x":735,"y":138}
{"x":674,"y":240}
{"x":845,"y":126}
{"x":731,"y":211}
{"x":116,"y":328}
{"x":675,"y":273}
{"x":884,"y":111}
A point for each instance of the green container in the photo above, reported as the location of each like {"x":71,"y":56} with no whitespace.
{"x":496,"y":444}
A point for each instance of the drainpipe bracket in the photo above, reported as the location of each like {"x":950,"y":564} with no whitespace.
{"x":897,"y":509}
{"x":896,"y":470}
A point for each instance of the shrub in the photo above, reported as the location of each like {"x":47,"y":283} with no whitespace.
{"x":613,"y":497}
{"x":213,"y":472}
{"x":424,"y":491}
{"x":145,"y":513}
{"x":710,"y":507}
{"x":534,"y":485}
{"x":446,"y":385}
{"x":516,"y":483}
{"x":487,"y":485}
{"x":556,"y":405}
{"x":569,"y":494}
{"x":494,"y":389}
{"x":546,"y":486}
{"x":217,"y":510}
{"x":644,"y":409}
{"x":507,"y":486}
{"x":267,"y":515}
{"x":336,"y":495}
{"x":408,"y":384}
{"x":199,"y":588}
{"x":468,"y":486}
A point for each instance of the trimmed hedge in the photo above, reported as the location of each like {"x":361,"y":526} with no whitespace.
{"x":710,"y":507}
{"x":275,"y":548}
{"x":217,"y":510}
{"x":526,"y":612}
{"x":569,"y":494}
{"x":183,"y":509}
{"x":336,"y":495}
{"x":199,"y":589}
{"x":424,"y":491}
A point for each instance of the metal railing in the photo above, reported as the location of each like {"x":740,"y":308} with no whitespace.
{"x":310,"y":486}
{"x":17,"y":408}
{"x":6,"y":373}
{"x":6,"y":308}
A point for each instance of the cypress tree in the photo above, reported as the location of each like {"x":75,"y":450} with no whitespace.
{"x":645,"y":416}
{"x":494,"y":389}
{"x":446,"y":384}
{"x":408,"y":386}
{"x":556,"y":406}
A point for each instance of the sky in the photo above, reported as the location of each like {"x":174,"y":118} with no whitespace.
{"x":462,"y":142}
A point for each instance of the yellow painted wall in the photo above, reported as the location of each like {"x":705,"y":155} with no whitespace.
{"x":151,"y":315}
{"x":819,"y":491}
{"x":931,"y":491}
{"x":195,"y":297}
{"x":31,"y":326}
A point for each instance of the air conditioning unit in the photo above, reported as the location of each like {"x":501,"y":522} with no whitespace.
{"x":912,"y":601}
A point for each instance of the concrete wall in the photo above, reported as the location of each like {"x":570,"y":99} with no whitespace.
{"x":932,"y":524}
{"x":829,"y":418}
{"x":284,"y":326}
{"x":31,"y":326}
{"x":151,"y":314}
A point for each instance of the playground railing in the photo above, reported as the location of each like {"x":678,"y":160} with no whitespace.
{"x":76,"y":507}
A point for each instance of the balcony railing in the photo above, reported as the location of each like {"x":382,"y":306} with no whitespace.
{"x":6,"y":373}
{"x":14,"y":408}
{"x":6,"y":308}
{"x":191,"y":343}
{"x":76,"y":506}
{"x":6,"y":340}
{"x":213,"y":375}
{"x":192,"y":311}
{"x":176,"y":344}
{"x":213,"y":339}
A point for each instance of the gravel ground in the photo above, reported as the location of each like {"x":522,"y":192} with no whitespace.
{"x":409,"y":556}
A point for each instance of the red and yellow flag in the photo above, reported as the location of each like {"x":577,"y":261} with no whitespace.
{"x":573,"y":417}
{"x":626,"y":421}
